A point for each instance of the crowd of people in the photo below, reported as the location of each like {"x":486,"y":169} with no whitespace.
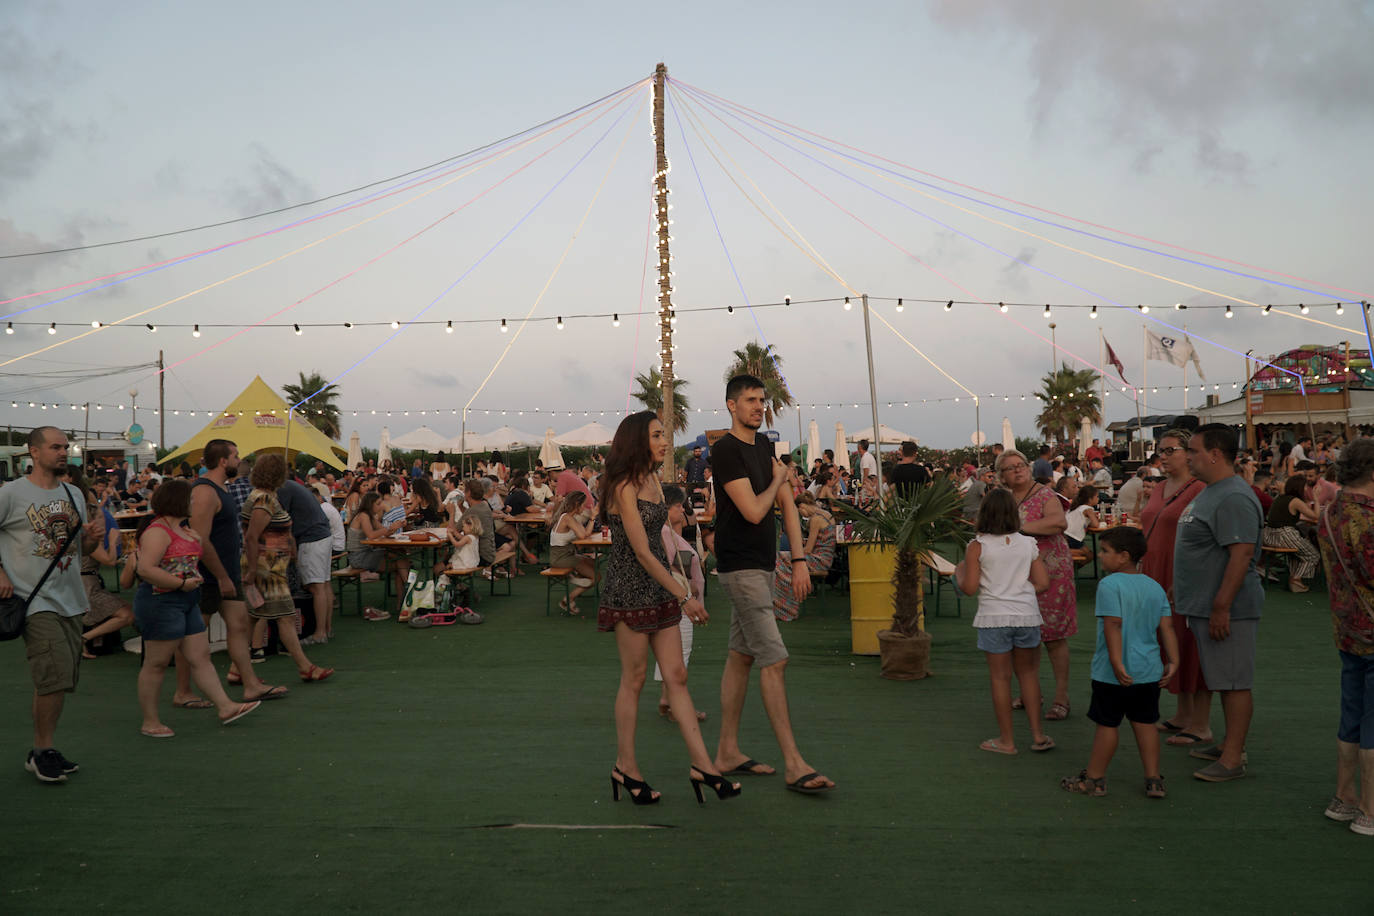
{"x":253,"y":545}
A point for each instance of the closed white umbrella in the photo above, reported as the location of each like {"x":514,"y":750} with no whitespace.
{"x":590,"y":434}
{"x":1085,"y":431}
{"x":423,"y":439}
{"x":549,"y":453}
{"x":384,"y":447}
{"x":841,"y":448}
{"x":355,"y":450}
{"x":1008,"y":440}
{"x":813,"y":444}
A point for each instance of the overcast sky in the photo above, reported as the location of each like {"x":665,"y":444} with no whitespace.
{"x":1232,"y":128}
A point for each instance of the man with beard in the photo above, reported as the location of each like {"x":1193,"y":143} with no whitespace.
{"x":215,"y":517}
{"x":38,"y":513}
{"x":748,"y":479}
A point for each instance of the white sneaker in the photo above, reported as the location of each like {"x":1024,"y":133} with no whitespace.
{"x":1342,"y":811}
{"x":1363,"y":824}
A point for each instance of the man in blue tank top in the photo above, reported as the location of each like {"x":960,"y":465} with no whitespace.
{"x":215,"y":518}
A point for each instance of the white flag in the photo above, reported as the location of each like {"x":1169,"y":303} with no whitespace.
{"x":1171,"y":350}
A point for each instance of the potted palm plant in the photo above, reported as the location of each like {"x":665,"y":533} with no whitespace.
{"x":899,"y":535}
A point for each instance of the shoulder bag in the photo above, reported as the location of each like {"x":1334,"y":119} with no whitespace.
{"x":14,"y":609}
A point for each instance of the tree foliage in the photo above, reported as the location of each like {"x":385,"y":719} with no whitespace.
{"x":650,"y":394}
{"x":321,"y":410}
{"x":764,"y":363}
{"x":1067,"y":397}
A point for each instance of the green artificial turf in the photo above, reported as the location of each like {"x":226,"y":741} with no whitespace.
{"x":384,"y":788}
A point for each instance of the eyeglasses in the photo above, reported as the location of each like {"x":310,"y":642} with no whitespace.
{"x":1168,"y":450}
{"x":1015,"y":467}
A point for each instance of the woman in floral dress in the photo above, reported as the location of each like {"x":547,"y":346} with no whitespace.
{"x":1042,"y":517}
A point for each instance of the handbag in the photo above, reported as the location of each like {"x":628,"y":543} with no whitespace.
{"x":14,"y":610}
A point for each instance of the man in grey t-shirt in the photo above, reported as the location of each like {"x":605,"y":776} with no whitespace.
{"x":1217,"y":587}
{"x":37,"y":514}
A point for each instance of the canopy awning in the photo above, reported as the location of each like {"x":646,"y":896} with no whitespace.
{"x":256,"y":421}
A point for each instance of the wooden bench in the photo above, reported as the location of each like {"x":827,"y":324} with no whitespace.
{"x":344,"y":576}
{"x":463,"y":575}
{"x":552,"y":575}
{"x":942,"y":574}
{"x":1270,"y":555}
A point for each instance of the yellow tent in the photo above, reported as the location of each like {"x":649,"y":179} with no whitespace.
{"x":256,"y":422}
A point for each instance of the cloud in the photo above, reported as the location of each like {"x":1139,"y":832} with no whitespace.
{"x":1013,"y":273}
{"x":269,"y":185}
{"x":31,"y":127}
{"x":1181,"y":76}
{"x":435,"y":379}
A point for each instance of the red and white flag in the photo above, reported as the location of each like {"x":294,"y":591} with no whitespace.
{"x":1115,"y":361}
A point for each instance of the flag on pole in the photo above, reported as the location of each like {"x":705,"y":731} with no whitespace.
{"x":1115,"y":361}
{"x":1173,"y":351}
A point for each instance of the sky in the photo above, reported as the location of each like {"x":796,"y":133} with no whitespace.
{"x":1238,"y":129}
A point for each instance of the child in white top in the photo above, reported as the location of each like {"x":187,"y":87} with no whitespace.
{"x":464,"y":538}
{"x":1003,"y":567}
{"x":1082,"y":515}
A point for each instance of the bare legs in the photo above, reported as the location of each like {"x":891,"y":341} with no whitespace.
{"x":236,"y":625}
{"x":1347,"y":765}
{"x":322,"y":598}
{"x":1237,"y":706}
{"x":47,"y":709}
{"x":634,"y":661}
{"x":1058,"y":652}
{"x":585,"y":568}
{"x":1025,"y":663}
{"x":734,"y":685}
{"x":195,"y":650}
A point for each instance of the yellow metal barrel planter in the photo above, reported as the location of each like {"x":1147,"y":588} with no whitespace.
{"x":870,"y":594}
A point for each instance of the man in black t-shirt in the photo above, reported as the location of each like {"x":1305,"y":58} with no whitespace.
{"x":908,"y":475}
{"x":747,"y":480}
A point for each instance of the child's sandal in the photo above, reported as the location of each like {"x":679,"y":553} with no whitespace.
{"x":1082,"y":784}
{"x":1154,"y":788}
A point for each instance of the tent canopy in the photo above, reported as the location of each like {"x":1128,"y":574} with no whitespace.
{"x":256,"y":421}
{"x":507,"y":437}
{"x":423,"y":439}
{"x":889,"y":436}
{"x":592,"y":433}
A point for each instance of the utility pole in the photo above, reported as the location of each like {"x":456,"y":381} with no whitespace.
{"x":665,"y":273}
{"x":161,"y":402}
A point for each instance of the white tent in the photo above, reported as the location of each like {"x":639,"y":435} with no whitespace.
{"x":590,"y":434}
{"x":841,"y":447}
{"x":889,"y":436}
{"x":423,"y":439}
{"x":384,"y":447}
{"x":549,"y":453}
{"x":508,"y":438}
{"x":1008,"y":440}
{"x":355,"y":450}
{"x":813,"y":444}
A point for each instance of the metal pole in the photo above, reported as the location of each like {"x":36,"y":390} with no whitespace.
{"x":665,"y":289}
{"x":161,"y":402}
{"x":1054,"y":356}
{"x":463,"y":444}
{"x":873,"y":397}
{"x":1251,"y":440}
{"x":1345,"y":377}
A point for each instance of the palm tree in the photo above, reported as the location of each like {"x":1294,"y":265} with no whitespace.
{"x":321,"y":410}
{"x":1068,"y":396}
{"x":650,"y":394}
{"x":764,"y":363}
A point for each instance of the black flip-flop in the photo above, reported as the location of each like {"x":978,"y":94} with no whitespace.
{"x":1167,"y":726}
{"x":799,"y":785}
{"x":276,"y":693}
{"x":747,"y":769}
{"x":1192,"y":740}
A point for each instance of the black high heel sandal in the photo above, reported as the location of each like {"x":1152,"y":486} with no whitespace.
{"x":640,"y":792}
{"x":722,"y":786}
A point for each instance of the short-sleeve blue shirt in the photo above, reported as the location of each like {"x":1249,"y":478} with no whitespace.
{"x":1140,"y":603}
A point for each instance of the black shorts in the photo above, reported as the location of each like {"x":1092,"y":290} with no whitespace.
{"x":500,"y":540}
{"x":1111,"y":702}
{"x":211,"y":601}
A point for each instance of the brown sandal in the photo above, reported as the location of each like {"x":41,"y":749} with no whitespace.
{"x":1057,"y":712}
{"x":1082,"y":784}
{"x":1154,"y":788}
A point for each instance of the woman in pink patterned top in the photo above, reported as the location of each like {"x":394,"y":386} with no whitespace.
{"x":1042,"y":517}
{"x":1346,"y":534}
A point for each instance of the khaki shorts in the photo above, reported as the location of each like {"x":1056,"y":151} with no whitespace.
{"x":753,"y":627}
{"x":53,"y":644}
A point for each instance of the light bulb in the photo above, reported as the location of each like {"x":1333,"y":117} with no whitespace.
{"x":1093,"y":313}
{"x":95,"y":323}
{"x":52,"y":328}
{"x":1229,"y":313}
{"x":297,"y":329}
{"x":615,"y":320}
{"x":1047,"y":310}
{"x":1302,"y":307}
{"x":152,"y":328}
{"x":195,"y":331}
{"x":559,"y":325}
{"x":1340,"y":309}
{"x":503,"y":326}
{"x":448,"y":328}
{"x":899,"y":305}
{"x":1265,"y":313}
{"x":395,"y":325}
{"x":1144,"y":309}
{"x":1003,"y":307}
{"x":949,"y":305}
{"x":847,"y":305}
{"x":9,"y":328}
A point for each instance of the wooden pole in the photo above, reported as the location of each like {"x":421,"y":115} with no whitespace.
{"x":665,"y":283}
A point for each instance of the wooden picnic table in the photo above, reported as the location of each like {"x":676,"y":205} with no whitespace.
{"x":1095,"y":530}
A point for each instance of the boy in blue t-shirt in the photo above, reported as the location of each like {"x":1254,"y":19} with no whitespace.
{"x":1127,"y":671}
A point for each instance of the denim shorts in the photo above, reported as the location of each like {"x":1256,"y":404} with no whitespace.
{"x":1357,"y":700}
{"x":1001,"y":640}
{"x":168,"y":616}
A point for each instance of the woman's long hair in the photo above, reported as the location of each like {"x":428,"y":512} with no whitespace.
{"x":425,"y":491}
{"x":629,"y":461}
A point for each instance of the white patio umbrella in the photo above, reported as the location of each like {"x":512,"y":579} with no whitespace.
{"x":1008,"y":440}
{"x":549,"y":453}
{"x":423,"y":439}
{"x":507,"y":438}
{"x":841,"y":448}
{"x":1085,"y":432}
{"x":590,"y":434}
{"x":813,"y":444}
{"x":889,"y":436}
{"x":466,"y":445}
{"x":384,"y":447}
{"x":355,"y":450}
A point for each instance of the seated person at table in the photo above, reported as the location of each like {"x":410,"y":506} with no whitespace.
{"x":426,"y":511}
{"x":465,"y":536}
{"x":539,"y":489}
{"x":1081,"y":516}
{"x":518,"y":502}
{"x":366,"y":525}
{"x":819,"y":551}
{"x":571,"y":519}
{"x":108,"y":613}
{"x":475,"y":490}
{"x":392,"y":509}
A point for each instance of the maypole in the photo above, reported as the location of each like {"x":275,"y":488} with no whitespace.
{"x":665,"y":288}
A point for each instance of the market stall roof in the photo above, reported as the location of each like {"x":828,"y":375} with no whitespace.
{"x":1232,"y":412}
{"x":256,"y":422}
{"x":1146,"y":422}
